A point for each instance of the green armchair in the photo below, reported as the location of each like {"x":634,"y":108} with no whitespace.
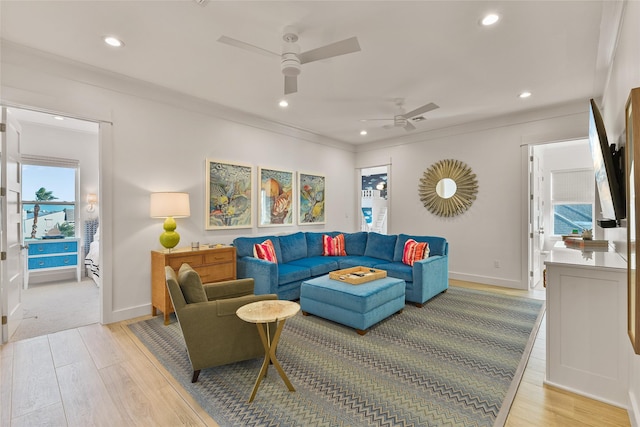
{"x":214,"y":335}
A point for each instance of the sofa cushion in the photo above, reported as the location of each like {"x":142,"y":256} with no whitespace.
{"x":437,"y":245}
{"x":381,"y":246}
{"x":356,"y":261}
{"x":291,"y":273}
{"x":318,"y":265}
{"x":293,"y":247}
{"x":355,"y":243}
{"x":191,"y":285}
{"x":333,"y":246}
{"x":414,"y":251}
{"x":398,"y":270}
{"x":265,"y":251}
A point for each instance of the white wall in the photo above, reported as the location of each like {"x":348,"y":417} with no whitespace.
{"x":624,"y":76}
{"x":491,"y":230}
{"x":159,"y":142}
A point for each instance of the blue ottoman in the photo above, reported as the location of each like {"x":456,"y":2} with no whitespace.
{"x":358,"y":306}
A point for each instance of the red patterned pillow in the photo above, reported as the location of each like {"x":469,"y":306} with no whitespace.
{"x":265,"y":251}
{"x":333,"y":246}
{"x":414,"y":251}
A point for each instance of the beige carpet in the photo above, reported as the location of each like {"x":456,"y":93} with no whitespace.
{"x":57,"y":306}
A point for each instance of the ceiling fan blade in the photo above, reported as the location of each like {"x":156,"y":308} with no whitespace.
{"x":409,"y":127}
{"x":329,"y":51}
{"x":373,"y":120}
{"x":290,"y":84}
{"x":247,"y":46}
{"x":421,"y":110}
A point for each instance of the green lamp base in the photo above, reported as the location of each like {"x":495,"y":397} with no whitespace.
{"x":170,"y":238}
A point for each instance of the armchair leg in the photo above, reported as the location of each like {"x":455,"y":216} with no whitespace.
{"x":195,"y":376}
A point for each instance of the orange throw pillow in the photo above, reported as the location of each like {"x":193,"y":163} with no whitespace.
{"x":414,"y":251}
{"x":265,"y":251}
{"x":333,"y":246}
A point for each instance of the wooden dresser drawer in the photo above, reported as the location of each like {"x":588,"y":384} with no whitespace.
{"x":194,"y":260}
{"x":216,"y":273}
{"x":219,"y":256}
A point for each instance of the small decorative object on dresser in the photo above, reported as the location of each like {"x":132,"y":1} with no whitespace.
{"x":212,"y":264}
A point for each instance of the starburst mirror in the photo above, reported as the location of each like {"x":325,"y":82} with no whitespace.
{"x":448,"y":188}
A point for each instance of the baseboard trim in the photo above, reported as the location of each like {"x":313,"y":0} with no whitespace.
{"x":633,"y":410}
{"x":589,"y":395}
{"x":486,"y":280}
{"x":129,"y":313}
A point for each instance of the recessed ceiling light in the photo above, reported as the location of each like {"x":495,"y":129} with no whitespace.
{"x":490,"y":19}
{"x":283,"y":103}
{"x":524,"y":94}
{"x":363,"y":132}
{"x":113,"y":41}
{"x":58,"y":117}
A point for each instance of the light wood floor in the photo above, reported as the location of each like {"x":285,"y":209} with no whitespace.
{"x":102,"y":375}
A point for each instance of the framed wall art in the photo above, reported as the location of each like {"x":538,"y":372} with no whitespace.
{"x":275,"y":197}
{"x":228,"y":195}
{"x":632,"y":154}
{"x":311,"y":206}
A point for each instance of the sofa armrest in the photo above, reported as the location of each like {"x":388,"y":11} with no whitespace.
{"x":228,"y":289}
{"x":430,"y":277}
{"x":264,"y":274}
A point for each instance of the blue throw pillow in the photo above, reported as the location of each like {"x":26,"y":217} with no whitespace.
{"x":380,"y":246}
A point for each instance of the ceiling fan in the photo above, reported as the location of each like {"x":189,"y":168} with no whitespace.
{"x":403,"y":119}
{"x":291,"y":59}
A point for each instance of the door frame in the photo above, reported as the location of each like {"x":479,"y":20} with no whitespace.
{"x":359,"y":170}
{"x":105,"y":211}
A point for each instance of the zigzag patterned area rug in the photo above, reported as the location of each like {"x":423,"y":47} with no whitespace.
{"x":455,"y":362}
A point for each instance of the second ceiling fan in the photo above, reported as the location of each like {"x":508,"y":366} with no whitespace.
{"x":291,"y":59}
{"x":403,"y":119}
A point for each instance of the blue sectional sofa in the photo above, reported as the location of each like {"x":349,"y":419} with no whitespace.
{"x":300,"y":258}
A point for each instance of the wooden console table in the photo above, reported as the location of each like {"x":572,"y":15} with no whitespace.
{"x":212,"y":264}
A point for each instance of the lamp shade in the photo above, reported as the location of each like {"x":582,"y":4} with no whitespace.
{"x":92,"y":198}
{"x":164,"y":205}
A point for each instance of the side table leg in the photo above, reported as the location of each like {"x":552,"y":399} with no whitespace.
{"x":265,"y":363}
{"x":272,"y":351}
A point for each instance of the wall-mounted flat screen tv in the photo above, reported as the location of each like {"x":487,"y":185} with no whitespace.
{"x":607,"y":166}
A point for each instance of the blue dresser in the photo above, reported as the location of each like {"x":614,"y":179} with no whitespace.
{"x":51,"y":255}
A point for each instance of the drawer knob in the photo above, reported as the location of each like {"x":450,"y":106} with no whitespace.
{"x":40,"y":249}
{"x":41,"y":263}
{"x":66,"y":261}
{"x":66,"y":248}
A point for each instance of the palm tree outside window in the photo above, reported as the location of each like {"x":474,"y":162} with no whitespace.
{"x":49,"y":193}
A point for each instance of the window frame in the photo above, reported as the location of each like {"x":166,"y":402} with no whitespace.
{"x":34,"y":160}
{"x":553,"y":202}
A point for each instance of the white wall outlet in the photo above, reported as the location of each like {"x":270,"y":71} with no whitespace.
{"x":496,"y":264}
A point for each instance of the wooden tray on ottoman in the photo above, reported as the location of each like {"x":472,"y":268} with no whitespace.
{"x":357,"y":275}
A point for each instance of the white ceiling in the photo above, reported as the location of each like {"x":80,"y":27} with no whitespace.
{"x":422,"y":51}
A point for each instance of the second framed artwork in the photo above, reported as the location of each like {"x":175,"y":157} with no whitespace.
{"x":275,"y":197}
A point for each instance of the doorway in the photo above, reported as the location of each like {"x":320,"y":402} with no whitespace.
{"x":374,"y":199}
{"x":561,"y":197}
{"x":52,"y":296}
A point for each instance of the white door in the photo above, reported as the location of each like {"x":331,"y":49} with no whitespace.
{"x":11,"y":228}
{"x":536,"y":218}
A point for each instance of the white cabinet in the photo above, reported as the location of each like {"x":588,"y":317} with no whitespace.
{"x":587,"y":344}
{"x":51,"y":255}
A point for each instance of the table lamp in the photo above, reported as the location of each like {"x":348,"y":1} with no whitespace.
{"x":169,"y":206}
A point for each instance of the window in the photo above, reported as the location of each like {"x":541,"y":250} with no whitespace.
{"x":572,"y":199}
{"x":49,"y":190}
